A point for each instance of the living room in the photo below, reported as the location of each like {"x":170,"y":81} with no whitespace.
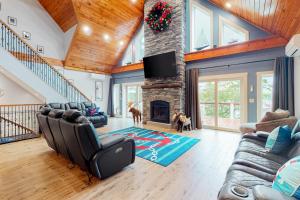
{"x":155,"y":99}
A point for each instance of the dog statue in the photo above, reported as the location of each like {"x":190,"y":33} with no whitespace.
{"x":136,"y":114}
{"x":182,"y":121}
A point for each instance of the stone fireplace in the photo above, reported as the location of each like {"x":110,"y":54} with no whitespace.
{"x":167,"y":90}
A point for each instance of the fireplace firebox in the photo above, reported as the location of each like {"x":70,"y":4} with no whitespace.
{"x":160,"y":111}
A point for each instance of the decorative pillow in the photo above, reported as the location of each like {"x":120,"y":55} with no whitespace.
{"x":296,"y":129}
{"x":278,"y":114}
{"x":287,"y":179}
{"x":91,"y":112}
{"x":279,"y":139}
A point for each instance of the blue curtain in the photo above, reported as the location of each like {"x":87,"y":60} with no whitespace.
{"x":110,"y":106}
{"x":283,"y":90}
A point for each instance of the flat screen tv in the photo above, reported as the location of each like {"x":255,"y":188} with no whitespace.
{"x":160,"y":66}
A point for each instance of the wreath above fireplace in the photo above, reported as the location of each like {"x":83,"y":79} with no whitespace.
{"x":160,"y":16}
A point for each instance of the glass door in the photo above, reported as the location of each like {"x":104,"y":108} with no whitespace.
{"x":223,"y":101}
{"x":133,"y":97}
{"x":207,"y":103}
{"x":117,"y":100}
{"x":229,"y":104}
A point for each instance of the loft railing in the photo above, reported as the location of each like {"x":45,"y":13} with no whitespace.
{"x":18,"y":122}
{"x":13,"y":43}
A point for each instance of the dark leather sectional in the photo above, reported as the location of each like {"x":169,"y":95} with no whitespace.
{"x":251,"y":175}
{"x":99,"y":119}
{"x":74,"y":137}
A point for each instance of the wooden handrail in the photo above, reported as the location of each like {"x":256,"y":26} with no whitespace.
{"x":44,"y":60}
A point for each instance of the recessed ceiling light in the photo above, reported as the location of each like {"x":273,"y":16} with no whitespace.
{"x":106,"y":37}
{"x":228,"y":5}
{"x":87,"y":30}
{"x":133,"y":1}
{"x":121,"y":43}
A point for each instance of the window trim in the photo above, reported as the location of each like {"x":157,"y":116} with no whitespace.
{"x":223,"y":20}
{"x":259,"y":76}
{"x":210,"y":12}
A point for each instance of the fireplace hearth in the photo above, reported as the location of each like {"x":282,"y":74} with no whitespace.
{"x":160,"y":111}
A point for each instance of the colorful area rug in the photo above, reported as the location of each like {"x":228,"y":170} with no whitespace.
{"x":159,"y":147}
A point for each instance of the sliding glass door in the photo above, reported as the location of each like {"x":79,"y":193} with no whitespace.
{"x":223,"y":101}
{"x":117,"y":100}
{"x":133,"y":96}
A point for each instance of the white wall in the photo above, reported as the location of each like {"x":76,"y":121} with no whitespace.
{"x":297,"y":86}
{"x":19,"y":73}
{"x":86,"y":84}
{"x":16,"y":94}
{"x":33,"y":18}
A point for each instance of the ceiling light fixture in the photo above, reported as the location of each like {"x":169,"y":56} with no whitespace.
{"x":121,"y":43}
{"x":87,"y":30}
{"x":106,"y":37}
{"x":133,"y":1}
{"x":228,"y":5}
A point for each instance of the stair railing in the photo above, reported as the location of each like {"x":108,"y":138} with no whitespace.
{"x":13,"y":43}
{"x":18,"y":122}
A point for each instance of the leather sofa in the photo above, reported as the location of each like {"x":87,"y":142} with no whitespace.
{"x":99,"y":119}
{"x":253,"y":170}
{"x":72,"y":135}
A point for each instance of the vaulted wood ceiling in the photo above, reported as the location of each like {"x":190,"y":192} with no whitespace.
{"x":104,"y":29}
{"x":119,"y":19}
{"x":61,"y":11}
{"x":279,"y":17}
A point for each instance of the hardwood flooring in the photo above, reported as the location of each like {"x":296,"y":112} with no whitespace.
{"x":31,"y":170}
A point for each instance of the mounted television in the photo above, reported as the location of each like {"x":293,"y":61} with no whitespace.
{"x":160,"y":66}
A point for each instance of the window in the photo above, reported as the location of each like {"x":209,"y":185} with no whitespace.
{"x":135,"y":50}
{"x":128,"y":57}
{"x":231,"y":33}
{"x":264,"y":93}
{"x":139,"y":44}
{"x":201,"y":27}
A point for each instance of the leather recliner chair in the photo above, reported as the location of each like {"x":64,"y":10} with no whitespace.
{"x":54,"y":117}
{"x":102,"y":156}
{"x":58,"y":106}
{"x":96,"y":116}
{"x":42,"y":118}
{"x":97,"y":121}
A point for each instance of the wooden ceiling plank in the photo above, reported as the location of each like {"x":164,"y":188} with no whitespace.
{"x":279,"y":17}
{"x":292,"y":19}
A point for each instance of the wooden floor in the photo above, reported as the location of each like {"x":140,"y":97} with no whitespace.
{"x":31,"y":170}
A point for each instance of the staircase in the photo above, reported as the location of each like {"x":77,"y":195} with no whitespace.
{"x":22,"y":63}
{"x":25,"y":55}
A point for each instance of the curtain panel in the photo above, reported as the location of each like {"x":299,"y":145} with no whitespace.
{"x":192,"y":106}
{"x":283,"y":90}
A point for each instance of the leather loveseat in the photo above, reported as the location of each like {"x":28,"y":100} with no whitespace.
{"x":253,"y":170}
{"x":72,"y":135}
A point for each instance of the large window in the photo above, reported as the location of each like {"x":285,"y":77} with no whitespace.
{"x":128,"y":56}
{"x":223,"y":101}
{"x":201,"y":27}
{"x":139,"y":46}
{"x":264,"y":93}
{"x":231,"y":33}
{"x":135,"y":50}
